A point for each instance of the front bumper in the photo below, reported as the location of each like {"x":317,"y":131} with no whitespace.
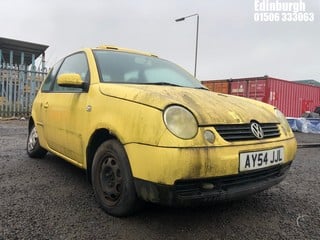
{"x":166,"y":165}
{"x":206,"y":190}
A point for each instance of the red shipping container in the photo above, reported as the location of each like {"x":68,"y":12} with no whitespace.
{"x":217,"y":86}
{"x":292,"y":98}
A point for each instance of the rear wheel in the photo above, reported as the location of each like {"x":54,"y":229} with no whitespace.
{"x":34,"y":149}
{"x":112,"y":180}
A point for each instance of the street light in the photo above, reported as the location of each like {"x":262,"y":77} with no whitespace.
{"x":197,"y":33}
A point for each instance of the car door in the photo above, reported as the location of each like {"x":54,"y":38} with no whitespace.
{"x":65,"y":111}
{"x":47,"y":120}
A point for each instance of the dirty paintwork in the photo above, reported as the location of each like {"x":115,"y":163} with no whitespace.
{"x":193,"y":162}
{"x":134,"y":114}
{"x":207,"y":106}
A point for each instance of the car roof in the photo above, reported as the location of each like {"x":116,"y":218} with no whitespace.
{"x":115,"y":48}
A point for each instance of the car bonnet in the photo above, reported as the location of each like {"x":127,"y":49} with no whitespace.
{"x":208,"y":107}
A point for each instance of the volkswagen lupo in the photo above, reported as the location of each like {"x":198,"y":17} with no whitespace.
{"x":146,"y":130}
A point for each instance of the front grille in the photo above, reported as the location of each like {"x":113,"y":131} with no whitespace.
{"x":242,"y":132}
{"x":192,"y":188}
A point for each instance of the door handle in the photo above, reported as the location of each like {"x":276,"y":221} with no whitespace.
{"x":46,"y":105}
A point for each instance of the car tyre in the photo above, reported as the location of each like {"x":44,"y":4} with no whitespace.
{"x":112,"y":180}
{"x":34,"y":149}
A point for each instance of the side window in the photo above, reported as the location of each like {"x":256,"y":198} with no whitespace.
{"x":76,"y":63}
{"x":47,"y":84}
{"x":131,"y":76}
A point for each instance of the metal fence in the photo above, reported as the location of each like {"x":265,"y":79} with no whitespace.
{"x":18,"y":87}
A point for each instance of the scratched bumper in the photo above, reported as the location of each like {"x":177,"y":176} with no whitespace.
{"x":164,"y":165}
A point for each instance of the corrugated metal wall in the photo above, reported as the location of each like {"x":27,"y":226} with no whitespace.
{"x":292,"y":98}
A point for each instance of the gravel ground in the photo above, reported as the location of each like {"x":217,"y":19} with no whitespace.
{"x":51,"y":199}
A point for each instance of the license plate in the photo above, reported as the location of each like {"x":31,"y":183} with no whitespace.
{"x":261,"y":159}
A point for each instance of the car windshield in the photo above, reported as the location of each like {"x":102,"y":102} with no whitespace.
{"x":122,"y":67}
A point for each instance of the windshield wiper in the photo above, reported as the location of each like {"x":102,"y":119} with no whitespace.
{"x":163,"y":83}
{"x":204,"y":88}
{"x":171,"y":84}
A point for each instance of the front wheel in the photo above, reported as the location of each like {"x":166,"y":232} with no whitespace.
{"x":34,"y":149}
{"x":112,"y":180}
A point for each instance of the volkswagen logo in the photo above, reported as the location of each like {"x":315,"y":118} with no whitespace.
{"x":256,"y":129}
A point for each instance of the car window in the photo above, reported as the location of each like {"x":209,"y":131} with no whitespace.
{"x":48,"y":82}
{"x":122,"y":67}
{"x":76,"y":63}
{"x":158,"y":74}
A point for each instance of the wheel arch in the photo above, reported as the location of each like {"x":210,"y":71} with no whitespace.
{"x":97,"y":138}
{"x":30,"y":123}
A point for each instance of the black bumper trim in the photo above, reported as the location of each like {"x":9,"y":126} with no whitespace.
{"x":191,"y":192}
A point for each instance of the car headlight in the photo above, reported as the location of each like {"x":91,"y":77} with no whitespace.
{"x":283,"y":121}
{"x":180,"y":122}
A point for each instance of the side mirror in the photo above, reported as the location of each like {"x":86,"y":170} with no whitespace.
{"x":71,"y":80}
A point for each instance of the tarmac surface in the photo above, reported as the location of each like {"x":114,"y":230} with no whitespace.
{"x":51,"y":199}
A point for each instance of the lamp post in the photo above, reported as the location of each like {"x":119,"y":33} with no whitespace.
{"x":197,"y":33}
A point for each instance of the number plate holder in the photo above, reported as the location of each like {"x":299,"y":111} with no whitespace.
{"x":260,"y":159}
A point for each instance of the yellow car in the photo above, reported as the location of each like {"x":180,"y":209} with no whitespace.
{"x":145,"y":129}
